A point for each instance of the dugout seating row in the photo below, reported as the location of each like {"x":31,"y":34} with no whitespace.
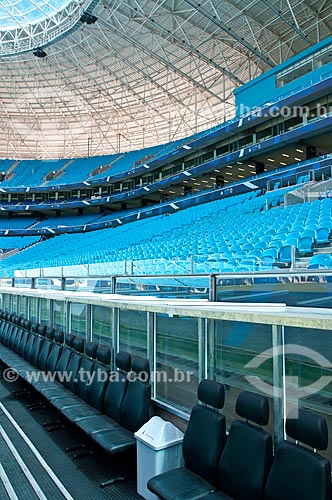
{"x":241,"y":466}
{"x":74,"y":376}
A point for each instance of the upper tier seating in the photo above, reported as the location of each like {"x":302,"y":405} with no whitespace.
{"x":126,"y":161}
{"x":78,"y":169}
{"x":20,"y":242}
{"x":69,"y":220}
{"x":32,"y":172}
{"x":16,"y":222}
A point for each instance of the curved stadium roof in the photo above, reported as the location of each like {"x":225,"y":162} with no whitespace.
{"x":145,"y":72}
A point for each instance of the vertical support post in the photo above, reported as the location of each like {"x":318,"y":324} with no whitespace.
{"x":150,"y":348}
{"x":154,"y":354}
{"x":88,"y":328}
{"x":191,"y":264}
{"x":13,"y":283}
{"x":211,"y":330}
{"x":51,"y":313}
{"x":210,"y":348}
{"x":201,"y":349}
{"x":115,"y":333}
{"x":278,"y":394}
{"x":63,"y":283}
{"x":68,"y":328}
{"x":293,"y":256}
{"x":113,"y":284}
{"x":213,"y":288}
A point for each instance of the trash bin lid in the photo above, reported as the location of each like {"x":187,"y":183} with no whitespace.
{"x":159,"y":434}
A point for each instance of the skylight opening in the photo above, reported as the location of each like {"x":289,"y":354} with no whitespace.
{"x":22,"y":13}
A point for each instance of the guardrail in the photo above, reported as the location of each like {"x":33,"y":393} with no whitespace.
{"x":273,"y":348}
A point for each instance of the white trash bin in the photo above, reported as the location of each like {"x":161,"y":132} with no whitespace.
{"x":159,"y":448}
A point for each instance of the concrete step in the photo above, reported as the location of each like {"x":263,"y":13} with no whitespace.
{"x":323,"y":249}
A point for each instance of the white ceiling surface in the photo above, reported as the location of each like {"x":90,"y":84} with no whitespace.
{"x":146,"y":72}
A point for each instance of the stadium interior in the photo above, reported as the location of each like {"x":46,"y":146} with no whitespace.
{"x":166,"y":232}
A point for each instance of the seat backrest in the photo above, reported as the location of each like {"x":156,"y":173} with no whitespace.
{"x":12,"y":338}
{"x":136,"y":403}
{"x":18,"y":339}
{"x":66,"y":352}
{"x":248,"y":452}
{"x":83,"y":378}
{"x":55,"y":353}
{"x":24,"y":339}
{"x":37,"y":345}
{"x":95,"y":392}
{"x":117,"y":386}
{"x":46,"y":348}
{"x":29,"y":345}
{"x":74,"y":363}
{"x":205,"y":435}
{"x":298,"y":472}
{"x":7,"y":333}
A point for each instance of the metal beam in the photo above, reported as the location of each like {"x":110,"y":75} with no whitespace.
{"x":229,"y":31}
{"x":160,"y":59}
{"x":187,"y":46}
{"x":293,"y":26}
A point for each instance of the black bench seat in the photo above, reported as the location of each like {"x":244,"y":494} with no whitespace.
{"x":75,"y":378}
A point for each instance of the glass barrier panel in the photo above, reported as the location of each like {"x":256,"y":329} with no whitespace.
{"x":76,"y":284}
{"x":5,"y":301}
{"x":308,"y":373}
{"x":98,"y":285}
{"x":6,"y":282}
{"x":33,"y":309}
{"x":14,"y":305}
{"x":177,"y":354}
{"x":22,"y":283}
{"x":302,"y":290}
{"x":181,"y":287}
{"x":101,"y":324}
{"x":133,"y":332}
{"x":59,"y":315}
{"x":238,"y":351}
{"x":44,"y":306}
{"x":22,"y":305}
{"x":78,"y":319}
{"x":48,"y":283}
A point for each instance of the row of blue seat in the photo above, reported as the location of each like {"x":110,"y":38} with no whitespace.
{"x":241,"y":466}
{"x":226,"y":235}
{"x":75,"y":378}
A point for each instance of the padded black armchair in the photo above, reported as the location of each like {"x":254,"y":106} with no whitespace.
{"x":297,"y":472}
{"x":247,"y":457}
{"x":202,"y":445}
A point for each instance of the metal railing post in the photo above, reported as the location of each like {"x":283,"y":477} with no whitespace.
{"x":213,"y":288}
{"x":113,"y":284}
{"x":278,"y":394}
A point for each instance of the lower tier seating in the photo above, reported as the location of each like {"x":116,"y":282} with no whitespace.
{"x":75,"y":378}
